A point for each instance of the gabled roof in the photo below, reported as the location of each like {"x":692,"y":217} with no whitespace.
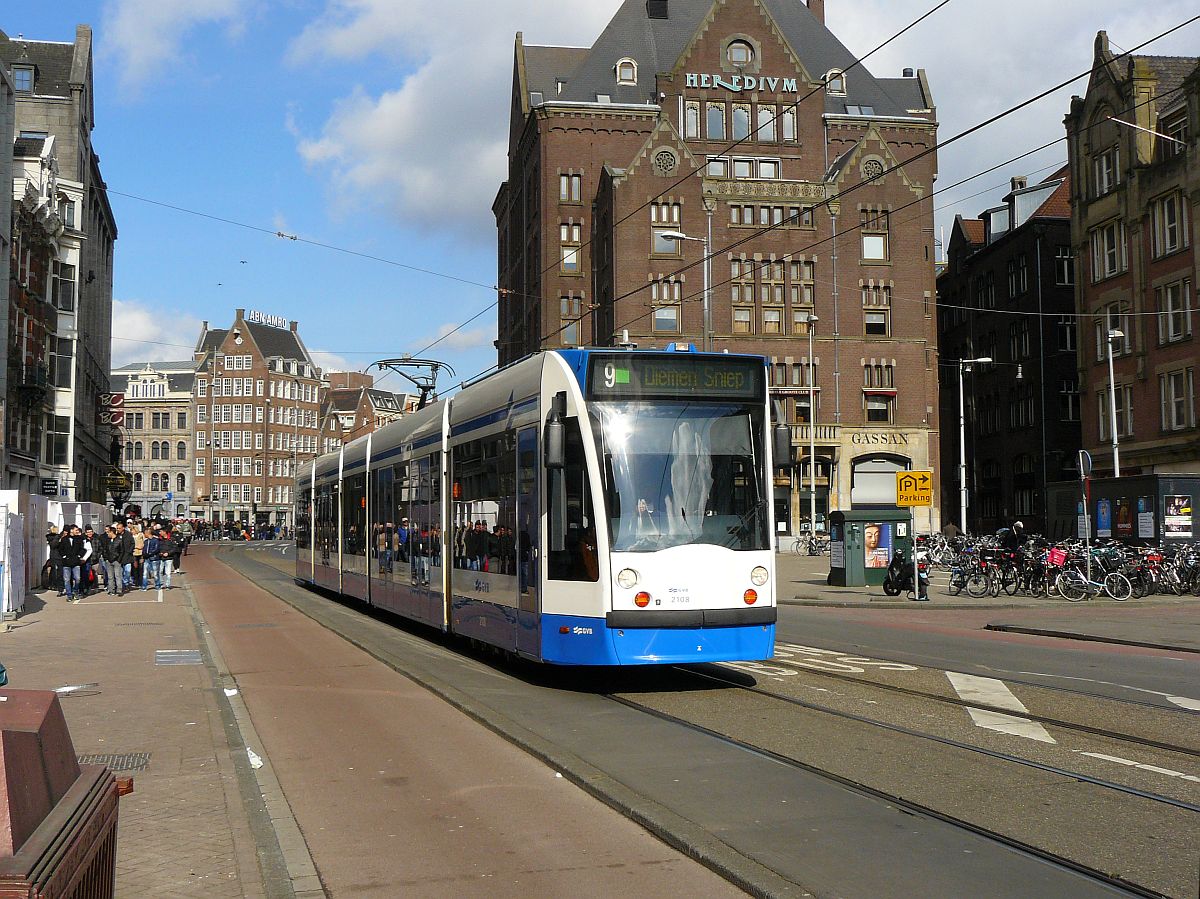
{"x":1171,"y":72}
{"x":972,"y":230}
{"x":656,"y":45}
{"x":52,"y":63}
{"x":1058,"y":204}
{"x":272,"y":342}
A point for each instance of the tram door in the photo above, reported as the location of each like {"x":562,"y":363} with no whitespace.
{"x":425,"y":535}
{"x":528,"y":541}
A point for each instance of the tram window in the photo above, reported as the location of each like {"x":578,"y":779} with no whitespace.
{"x":577,"y":561}
{"x":326,"y":518}
{"x":304,"y":519}
{"x":354,"y":515}
{"x":383,"y":527}
{"x":485,"y":504}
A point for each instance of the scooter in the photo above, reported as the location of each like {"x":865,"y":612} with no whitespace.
{"x":899,"y":576}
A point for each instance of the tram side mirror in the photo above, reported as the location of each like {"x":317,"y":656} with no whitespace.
{"x":782,"y":447}
{"x":555,"y":437}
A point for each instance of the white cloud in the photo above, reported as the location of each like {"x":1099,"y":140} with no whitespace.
{"x":146,"y":333}
{"x":328,"y":362}
{"x":466,"y":339}
{"x":147,"y":35}
{"x":431,"y":151}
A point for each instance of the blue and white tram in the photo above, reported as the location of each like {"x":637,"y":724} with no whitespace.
{"x":579,"y":507}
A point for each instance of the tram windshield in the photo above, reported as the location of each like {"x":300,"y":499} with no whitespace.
{"x":679,"y":473}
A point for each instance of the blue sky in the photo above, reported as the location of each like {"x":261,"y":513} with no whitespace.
{"x":380,"y":127}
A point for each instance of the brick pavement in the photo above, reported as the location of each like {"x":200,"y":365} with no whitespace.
{"x":185,"y":831}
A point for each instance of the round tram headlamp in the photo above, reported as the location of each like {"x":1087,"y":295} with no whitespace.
{"x":642,"y":600}
{"x":758,"y":576}
{"x":628,"y":578}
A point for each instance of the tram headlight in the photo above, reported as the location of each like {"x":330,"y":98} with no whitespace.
{"x":628,"y":578}
{"x":758,"y":576}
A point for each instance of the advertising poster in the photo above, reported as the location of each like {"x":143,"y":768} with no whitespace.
{"x":1103,"y":518}
{"x":1177,"y":523}
{"x":1081,"y":525}
{"x":877,"y":544}
{"x":1145,"y":518}
{"x":1124,"y":518}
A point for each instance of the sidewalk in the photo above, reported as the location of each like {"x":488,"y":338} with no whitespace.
{"x":1158,"y":622}
{"x":147,"y":704}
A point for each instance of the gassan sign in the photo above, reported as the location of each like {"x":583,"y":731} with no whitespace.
{"x":738,"y":83}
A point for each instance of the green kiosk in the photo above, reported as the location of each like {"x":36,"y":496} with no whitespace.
{"x":862,"y":542}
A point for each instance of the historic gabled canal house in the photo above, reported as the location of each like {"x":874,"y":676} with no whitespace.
{"x":746,"y":123}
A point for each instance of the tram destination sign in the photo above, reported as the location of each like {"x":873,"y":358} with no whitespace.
{"x":637,"y":375}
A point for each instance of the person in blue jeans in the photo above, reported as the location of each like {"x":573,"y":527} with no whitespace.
{"x":71,"y":548}
{"x":152,"y":564}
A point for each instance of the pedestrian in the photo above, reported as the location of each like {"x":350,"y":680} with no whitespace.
{"x":54,"y":562}
{"x":110,"y":555}
{"x":125,"y":547}
{"x":166,"y":555}
{"x":100,"y":543}
{"x":151,"y":565}
{"x":87,"y":566}
{"x":70,"y":549}
{"x":139,"y":541}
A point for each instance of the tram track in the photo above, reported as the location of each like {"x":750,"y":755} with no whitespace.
{"x":906,"y":805}
{"x":1120,"y":736}
{"x":949,"y":741}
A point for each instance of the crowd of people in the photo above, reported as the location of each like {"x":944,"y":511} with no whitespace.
{"x":475,"y":547}
{"x":124,"y":556}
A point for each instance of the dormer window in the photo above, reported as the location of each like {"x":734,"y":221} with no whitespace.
{"x":626,"y":71}
{"x":835,"y":82}
{"x":23,"y":79}
{"x":739,"y":53}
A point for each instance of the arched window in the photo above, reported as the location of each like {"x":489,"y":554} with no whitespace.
{"x":181,"y":483}
{"x":154,"y":450}
{"x":181,"y":450}
{"x":740,"y":53}
{"x":129,"y":451}
{"x":165,"y":480}
{"x":154,"y":483}
{"x":137,"y":453}
{"x":835,"y":82}
{"x":626,"y":71}
{"x":137,"y":479}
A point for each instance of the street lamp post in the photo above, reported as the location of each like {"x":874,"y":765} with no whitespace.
{"x":706,"y":326}
{"x":266,"y":455}
{"x":1113,"y":334}
{"x":963,"y":365}
{"x":812,"y":432}
{"x":295,"y":445}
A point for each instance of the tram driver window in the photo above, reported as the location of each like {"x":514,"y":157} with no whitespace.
{"x":578,"y":561}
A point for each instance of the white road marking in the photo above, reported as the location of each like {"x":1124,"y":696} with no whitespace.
{"x":989,"y":691}
{"x":1185,"y":702}
{"x":1129,"y":763}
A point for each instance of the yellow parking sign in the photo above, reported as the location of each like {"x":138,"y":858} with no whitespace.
{"x":914,"y":488}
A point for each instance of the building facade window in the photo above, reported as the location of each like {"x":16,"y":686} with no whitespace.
{"x":739,"y":53}
{"x":1170,"y":227}
{"x":626,"y":71}
{"x":23,"y":79}
{"x":666,"y":296}
{"x":691,"y":120}
{"x":714,"y":127}
{"x":766,"y":123}
{"x":772,"y":321}
{"x":570,"y":311}
{"x":1177,"y":390}
{"x":1018,"y":341}
{"x":1174,"y":311}
{"x":788,"y":124}
{"x":1124,"y":401}
{"x":742,"y":281}
{"x":664,"y":218}
{"x":741,"y":121}
{"x":570,"y":235}
{"x":771,"y":283}
{"x":1067,"y":333}
{"x":879,"y":408}
{"x":1106,"y":171}
{"x":835,"y":82}
{"x":1068,"y":399}
{"x":1064,"y":267}
{"x":1109,"y":254}
{"x":742,"y":323}
{"x":874,"y":234}
{"x":803,"y":277}
{"x":1113,"y":317}
{"x":570,"y":188}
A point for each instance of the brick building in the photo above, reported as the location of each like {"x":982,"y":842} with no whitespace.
{"x":255,"y":409}
{"x":54,"y":97}
{"x":157,"y":447}
{"x":352,"y":406}
{"x":1134,"y":193}
{"x":795,"y":152}
{"x":1007,"y":293}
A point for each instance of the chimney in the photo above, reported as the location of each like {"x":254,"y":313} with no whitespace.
{"x":909,"y":73}
{"x":657,"y":9}
{"x":1020,"y":183}
{"x":817,"y":8}
{"x":292,"y":326}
